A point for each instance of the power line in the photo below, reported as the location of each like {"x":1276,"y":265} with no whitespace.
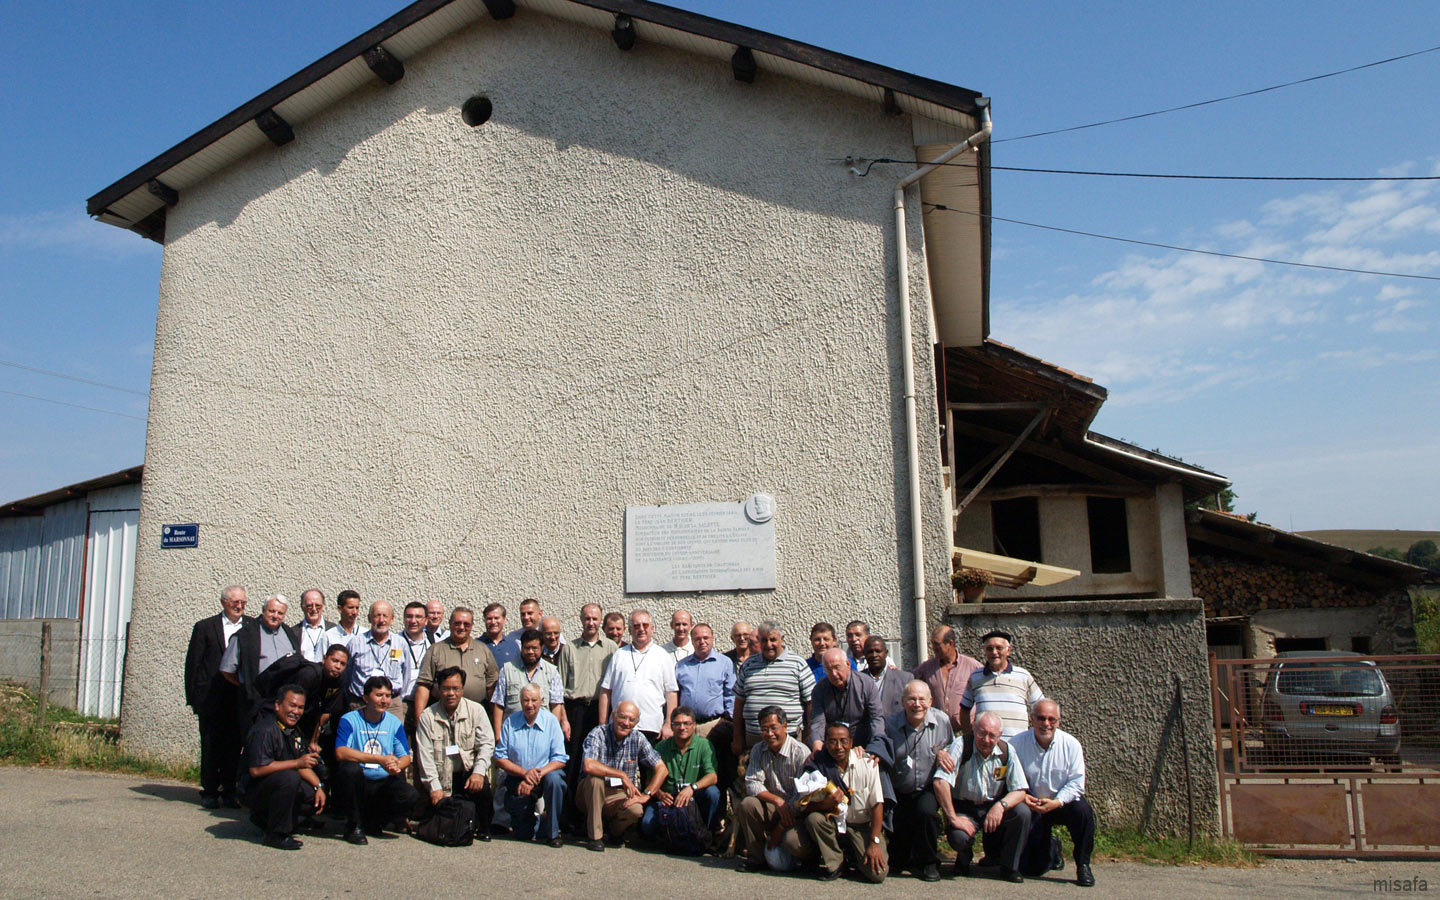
{"x":108,"y":412}
{"x":1111,"y":237}
{"x":1273,"y":87}
{"x":915,"y":162}
{"x":113,"y":387}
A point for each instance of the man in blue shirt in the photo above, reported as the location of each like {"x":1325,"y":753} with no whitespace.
{"x":531,"y":752}
{"x":373,"y":753}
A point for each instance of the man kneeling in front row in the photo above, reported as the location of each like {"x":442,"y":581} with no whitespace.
{"x":454,"y":743}
{"x":1054,"y":766}
{"x":985,"y":793}
{"x":278,"y":777}
{"x":373,"y":753}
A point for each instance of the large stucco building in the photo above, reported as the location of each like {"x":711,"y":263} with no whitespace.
{"x":437,"y":309}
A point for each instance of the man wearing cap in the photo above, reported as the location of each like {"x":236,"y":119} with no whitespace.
{"x":1000,"y":687}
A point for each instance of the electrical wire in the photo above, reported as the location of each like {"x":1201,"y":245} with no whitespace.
{"x":1273,"y":87}
{"x":1111,"y":237}
{"x":113,"y":387}
{"x":108,"y":412}
{"x":871,"y":163}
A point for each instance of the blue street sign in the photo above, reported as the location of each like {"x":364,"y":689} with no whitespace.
{"x":172,"y":536}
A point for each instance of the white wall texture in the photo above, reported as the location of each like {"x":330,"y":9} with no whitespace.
{"x":428,"y":361}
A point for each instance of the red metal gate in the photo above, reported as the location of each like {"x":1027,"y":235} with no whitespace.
{"x":1330,"y":754}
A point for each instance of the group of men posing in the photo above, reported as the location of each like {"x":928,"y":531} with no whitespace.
{"x":601,"y":736}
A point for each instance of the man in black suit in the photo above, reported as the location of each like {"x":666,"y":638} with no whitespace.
{"x":257,"y":647}
{"x":216,"y":701}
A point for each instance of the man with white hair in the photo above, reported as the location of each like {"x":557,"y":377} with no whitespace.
{"x":985,"y":794}
{"x":1054,"y":765}
{"x":530,"y":750}
{"x":215,"y":700}
{"x":379,"y":651}
{"x":257,"y":647}
{"x":918,"y":734}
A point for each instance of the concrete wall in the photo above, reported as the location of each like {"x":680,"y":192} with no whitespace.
{"x":1112,"y":665}
{"x":20,"y":655}
{"x":428,"y":361}
{"x":1159,"y":560}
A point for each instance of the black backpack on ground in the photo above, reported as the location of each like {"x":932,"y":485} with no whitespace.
{"x":451,"y":824}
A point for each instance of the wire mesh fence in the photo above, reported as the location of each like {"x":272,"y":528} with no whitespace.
{"x":1328,"y":712}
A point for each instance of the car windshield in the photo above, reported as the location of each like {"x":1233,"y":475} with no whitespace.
{"x":1321,"y":680}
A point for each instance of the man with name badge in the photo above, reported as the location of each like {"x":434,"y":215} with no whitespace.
{"x":373,"y":753}
{"x":310,"y":630}
{"x":454,"y":745}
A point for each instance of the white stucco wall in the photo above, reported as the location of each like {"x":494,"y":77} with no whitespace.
{"x":429,"y":361}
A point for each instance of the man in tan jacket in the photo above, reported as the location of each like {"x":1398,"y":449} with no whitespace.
{"x":454,"y":744}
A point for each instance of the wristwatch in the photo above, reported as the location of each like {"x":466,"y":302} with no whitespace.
{"x":1001,"y":801}
{"x":875,"y":839}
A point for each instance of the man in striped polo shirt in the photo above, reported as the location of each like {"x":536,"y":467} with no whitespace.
{"x":772,"y":677}
{"x":1000,"y":687}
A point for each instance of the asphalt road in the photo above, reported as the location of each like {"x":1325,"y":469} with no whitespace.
{"x":81,"y":835}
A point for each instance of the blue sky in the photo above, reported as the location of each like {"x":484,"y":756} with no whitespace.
{"x":1315,"y":392}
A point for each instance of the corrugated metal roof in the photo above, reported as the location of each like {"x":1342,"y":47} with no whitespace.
{"x":129,"y":201}
{"x":34,"y":506}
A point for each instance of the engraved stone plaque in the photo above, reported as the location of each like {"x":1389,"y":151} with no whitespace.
{"x":700,"y":546}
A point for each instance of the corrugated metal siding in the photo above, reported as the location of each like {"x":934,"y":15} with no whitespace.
{"x":19,"y":554}
{"x":110,"y":584}
{"x":62,"y":558}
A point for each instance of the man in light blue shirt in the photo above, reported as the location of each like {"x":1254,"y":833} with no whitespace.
{"x":1054,"y":765}
{"x":531,"y":752}
{"x":373,"y":754}
{"x":985,"y":794}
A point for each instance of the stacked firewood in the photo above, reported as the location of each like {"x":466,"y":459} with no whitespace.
{"x":1233,"y":588}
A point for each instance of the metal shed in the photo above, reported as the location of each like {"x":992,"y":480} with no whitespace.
{"x":68,"y":556}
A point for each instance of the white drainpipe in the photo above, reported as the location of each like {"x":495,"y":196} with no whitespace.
{"x":912,"y":434}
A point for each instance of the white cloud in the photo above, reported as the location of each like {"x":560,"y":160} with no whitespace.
{"x":1159,"y":327}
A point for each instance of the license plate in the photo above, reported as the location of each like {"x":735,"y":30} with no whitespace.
{"x":1321,"y":709}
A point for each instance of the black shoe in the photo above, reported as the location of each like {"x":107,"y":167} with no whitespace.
{"x":962,"y":864}
{"x":752,"y":865}
{"x":230,"y":801}
{"x":556,"y":842}
{"x":209,"y":802}
{"x":1057,"y":858}
{"x":281,"y":842}
{"x":482,"y":836}
{"x":1083,"y":876}
{"x":987,"y":860}
{"x":1012,"y":876}
{"x":929,"y":873}
{"x":356,"y":836}
{"x":827,"y":875}
{"x":597,"y":846}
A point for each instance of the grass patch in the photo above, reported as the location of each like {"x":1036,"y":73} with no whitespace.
{"x":1132,"y":845}
{"x":71,"y":740}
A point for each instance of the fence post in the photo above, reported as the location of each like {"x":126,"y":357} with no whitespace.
{"x":44,"y":671}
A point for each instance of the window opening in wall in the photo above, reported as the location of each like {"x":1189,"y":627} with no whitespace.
{"x":1109,"y":535}
{"x":1360,"y":643}
{"x":1016,"y":526}
{"x":1283,"y":645}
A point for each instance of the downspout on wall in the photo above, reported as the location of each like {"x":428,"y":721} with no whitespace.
{"x":907,"y":355}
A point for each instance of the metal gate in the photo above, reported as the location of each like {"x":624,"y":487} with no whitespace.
{"x":1330,"y":754}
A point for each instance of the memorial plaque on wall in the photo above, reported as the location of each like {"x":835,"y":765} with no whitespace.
{"x":701,"y":546}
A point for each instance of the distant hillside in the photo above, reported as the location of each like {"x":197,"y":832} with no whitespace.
{"x":1361,"y":539}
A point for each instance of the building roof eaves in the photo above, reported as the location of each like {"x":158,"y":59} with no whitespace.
{"x":923,"y":90}
{"x":33,"y":506}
